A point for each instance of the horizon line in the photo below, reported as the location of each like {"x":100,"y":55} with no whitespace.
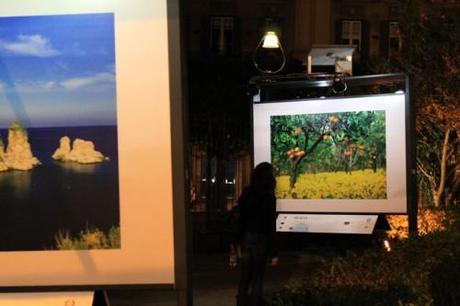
{"x":61,"y":126}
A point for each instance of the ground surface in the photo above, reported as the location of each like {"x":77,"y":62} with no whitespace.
{"x":215,"y":282}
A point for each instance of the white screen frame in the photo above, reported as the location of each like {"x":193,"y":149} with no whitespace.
{"x":394,"y":106}
{"x":147,"y":254}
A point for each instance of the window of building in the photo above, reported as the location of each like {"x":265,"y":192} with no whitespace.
{"x":228,"y":176}
{"x":229,"y":179}
{"x":222,"y":35}
{"x":394,"y":38}
{"x":351,"y":33}
{"x":204,"y":176}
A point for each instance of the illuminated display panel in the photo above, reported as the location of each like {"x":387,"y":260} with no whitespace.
{"x":135,"y":87}
{"x":344,"y":155}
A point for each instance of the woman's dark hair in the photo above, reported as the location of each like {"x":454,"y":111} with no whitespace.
{"x":262,"y":178}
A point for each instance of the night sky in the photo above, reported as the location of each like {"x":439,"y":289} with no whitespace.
{"x":57,"y":70}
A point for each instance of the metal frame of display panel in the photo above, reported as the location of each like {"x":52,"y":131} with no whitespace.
{"x":182,"y":283}
{"x":288,"y":88}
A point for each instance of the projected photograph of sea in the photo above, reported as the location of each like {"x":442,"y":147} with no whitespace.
{"x":59,"y":182}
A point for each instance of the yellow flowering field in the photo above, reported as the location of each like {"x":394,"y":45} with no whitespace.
{"x":360,"y":184}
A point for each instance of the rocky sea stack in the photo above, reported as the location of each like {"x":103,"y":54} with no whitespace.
{"x":3,"y":166}
{"x":81,"y":151}
{"x":18,"y":154}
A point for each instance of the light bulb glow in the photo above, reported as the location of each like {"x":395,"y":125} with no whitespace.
{"x":386,"y":245}
{"x":270,"y":41}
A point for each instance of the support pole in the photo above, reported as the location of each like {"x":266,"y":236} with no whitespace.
{"x":179,"y":154}
{"x":101,"y":298}
{"x":412,"y":193}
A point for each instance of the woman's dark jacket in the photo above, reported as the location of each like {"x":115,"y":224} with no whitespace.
{"x":257,"y":211}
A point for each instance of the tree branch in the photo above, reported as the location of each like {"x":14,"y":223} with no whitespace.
{"x":445,"y":147}
{"x":309,"y":151}
{"x":427,"y":175}
{"x":320,"y":138}
{"x":307,"y":138}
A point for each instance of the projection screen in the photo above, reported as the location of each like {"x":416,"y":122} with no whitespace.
{"x":85,"y":143}
{"x":341,"y":155}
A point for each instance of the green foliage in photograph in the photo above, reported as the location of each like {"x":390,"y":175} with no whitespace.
{"x":89,"y":239}
{"x":329,"y":143}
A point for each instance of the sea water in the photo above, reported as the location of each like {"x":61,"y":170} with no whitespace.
{"x":59,"y":196}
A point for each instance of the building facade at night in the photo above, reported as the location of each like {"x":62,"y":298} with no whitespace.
{"x":220,"y":31}
{"x":234,"y":27}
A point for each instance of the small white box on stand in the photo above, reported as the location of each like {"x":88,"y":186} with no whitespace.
{"x":326,"y":223}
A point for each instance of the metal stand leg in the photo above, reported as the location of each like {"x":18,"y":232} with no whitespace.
{"x":101,"y":298}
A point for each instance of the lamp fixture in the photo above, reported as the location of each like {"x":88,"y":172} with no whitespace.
{"x":269,"y":56}
{"x":339,"y":86}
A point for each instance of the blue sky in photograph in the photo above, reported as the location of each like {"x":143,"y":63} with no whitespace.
{"x":57,"y":70}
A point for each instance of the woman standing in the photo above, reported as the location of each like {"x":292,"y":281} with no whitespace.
{"x":256,"y":234}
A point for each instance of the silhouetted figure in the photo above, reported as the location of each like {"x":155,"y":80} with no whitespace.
{"x":256,"y":234}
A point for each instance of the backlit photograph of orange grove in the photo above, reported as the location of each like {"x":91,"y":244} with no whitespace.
{"x":330,"y":155}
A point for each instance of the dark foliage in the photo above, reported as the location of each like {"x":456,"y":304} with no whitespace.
{"x":418,"y":271}
{"x":445,"y":282}
{"x":348,"y":296}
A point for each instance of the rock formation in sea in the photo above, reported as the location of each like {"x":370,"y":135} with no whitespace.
{"x":3,"y":166}
{"x":81,"y":151}
{"x":18,"y":155}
